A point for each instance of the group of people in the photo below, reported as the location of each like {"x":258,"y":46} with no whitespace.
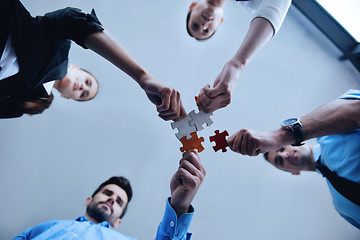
{"x":34,"y":60}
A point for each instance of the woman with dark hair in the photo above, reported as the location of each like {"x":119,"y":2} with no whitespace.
{"x":34,"y":59}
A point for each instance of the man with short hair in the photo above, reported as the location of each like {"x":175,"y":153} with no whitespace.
{"x":108,"y":204}
{"x":337,"y":157}
{"x":202,"y":21}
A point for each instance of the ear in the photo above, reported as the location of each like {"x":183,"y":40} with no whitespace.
{"x":117,"y":223}
{"x":222,"y":19}
{"x":295,"y":173}
{"x":87,"y":201}
{"x":192,"y":5}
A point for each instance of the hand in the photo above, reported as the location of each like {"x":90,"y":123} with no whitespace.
{"x":210,"y":100}
{"x":252,"y":142}
{"x":167,"y":100}
{"x":186,"y":182}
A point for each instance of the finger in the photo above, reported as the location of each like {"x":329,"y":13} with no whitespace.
{"x":244,"y":144}
{"x":163,"y":108}
{"x":254,"y":148}
{"x":213,"y":92}
{"x":201,"y":102}
{"x":230,"y":141}
{"x":193,"y":158}
{"x":173,"y":110}
{"x":190,"y":167}
{"x":166,"y":100}
{"x":207,"y":104}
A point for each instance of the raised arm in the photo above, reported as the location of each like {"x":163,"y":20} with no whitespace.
{"x":166,"y":99}
{"x":263,"y":27}
{"x":338,"y":116}
{"x":184,"y":185}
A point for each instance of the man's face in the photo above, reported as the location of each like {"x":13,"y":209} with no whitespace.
{"x":107,"y":205}
{"x":78,"y":84}
{"x":291,"y":159}
{"x":204,"y":19}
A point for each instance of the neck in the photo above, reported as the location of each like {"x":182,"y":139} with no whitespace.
{"x":90,"y":218}
{"x":57,"y":84}
{"x":312,"y":161}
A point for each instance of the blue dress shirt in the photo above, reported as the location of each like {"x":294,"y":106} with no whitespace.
{"x":81,"y":228}
{"x":341,"y":154}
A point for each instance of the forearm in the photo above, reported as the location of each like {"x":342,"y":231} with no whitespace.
{"x":104,"y":44}
{"x":259,"y":33}
{"x":338,"y":116}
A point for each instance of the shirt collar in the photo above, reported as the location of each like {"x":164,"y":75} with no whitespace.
{"x":49,"y":86}
{"x":83,"y":219}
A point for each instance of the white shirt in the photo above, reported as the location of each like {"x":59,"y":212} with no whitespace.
{"x":10,"y":65}
{"x":272,"y":10}
{"x":8,"y":61}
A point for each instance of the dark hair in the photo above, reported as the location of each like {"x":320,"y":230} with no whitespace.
{"x":95,"y":81}
{"x":266,"y":156}
{"x":188,"y":30}
{"x":123,"y":183}
{"x":36,"y":105}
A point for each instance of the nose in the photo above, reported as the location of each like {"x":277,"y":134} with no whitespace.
{"x":284,"y":155}
{"x":111,"y":200}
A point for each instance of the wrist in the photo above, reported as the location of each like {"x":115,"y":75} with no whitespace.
{"x":284,"y":137}
{"x":179,"y":210}
{"x":142,"y":78}
{"x":237,"y":64}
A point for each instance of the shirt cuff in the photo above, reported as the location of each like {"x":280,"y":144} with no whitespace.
{"x":173,"y":228}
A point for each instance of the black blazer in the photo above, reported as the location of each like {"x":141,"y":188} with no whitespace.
{"x":42,"y":46}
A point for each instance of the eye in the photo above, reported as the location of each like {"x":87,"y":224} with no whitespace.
{"x":108,"y":193}
{"x":281,"y":149}
{"x":206,"y":30}
{"x":195,"y":26}
{"x":118,"y":201}
{"x":278,"y":161}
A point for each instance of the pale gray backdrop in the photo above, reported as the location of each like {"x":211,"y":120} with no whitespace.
{"x":52,"y":162}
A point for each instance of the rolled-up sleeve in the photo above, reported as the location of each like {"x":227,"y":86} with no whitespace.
{"x":173,"y":228}
{"x":351,"y":94}
{"x":274,"y":11}
{"x":71,"y":23}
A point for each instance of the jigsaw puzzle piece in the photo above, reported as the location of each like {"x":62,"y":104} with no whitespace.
{"x":193,"y":143}
{"x":198,"y":119}
{"x":184,"y":127}
{"x":220,"y":140}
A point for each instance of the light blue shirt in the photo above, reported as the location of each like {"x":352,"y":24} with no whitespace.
{"x":81,"y":228}
{"x":341,"y":154}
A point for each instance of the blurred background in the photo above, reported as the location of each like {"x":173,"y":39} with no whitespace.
{"x":50,"y":163}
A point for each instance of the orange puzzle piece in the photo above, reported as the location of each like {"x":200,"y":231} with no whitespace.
{"x":193,"y":143}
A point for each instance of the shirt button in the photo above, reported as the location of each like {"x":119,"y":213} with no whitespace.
{"x":172,"y":224}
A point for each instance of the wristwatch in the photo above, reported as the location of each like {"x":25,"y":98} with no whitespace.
{"x":294,"y":125}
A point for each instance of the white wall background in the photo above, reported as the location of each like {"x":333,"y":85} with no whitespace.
{"x":50,"y":163}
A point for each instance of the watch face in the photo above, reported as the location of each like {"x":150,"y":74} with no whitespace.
{"x":289,"y":122}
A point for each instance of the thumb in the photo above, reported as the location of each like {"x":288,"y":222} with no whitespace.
{"x":212,"y":92}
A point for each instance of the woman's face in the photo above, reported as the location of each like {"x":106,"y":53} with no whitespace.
{"x":204,"y":19}
{"x":78,"y":84}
